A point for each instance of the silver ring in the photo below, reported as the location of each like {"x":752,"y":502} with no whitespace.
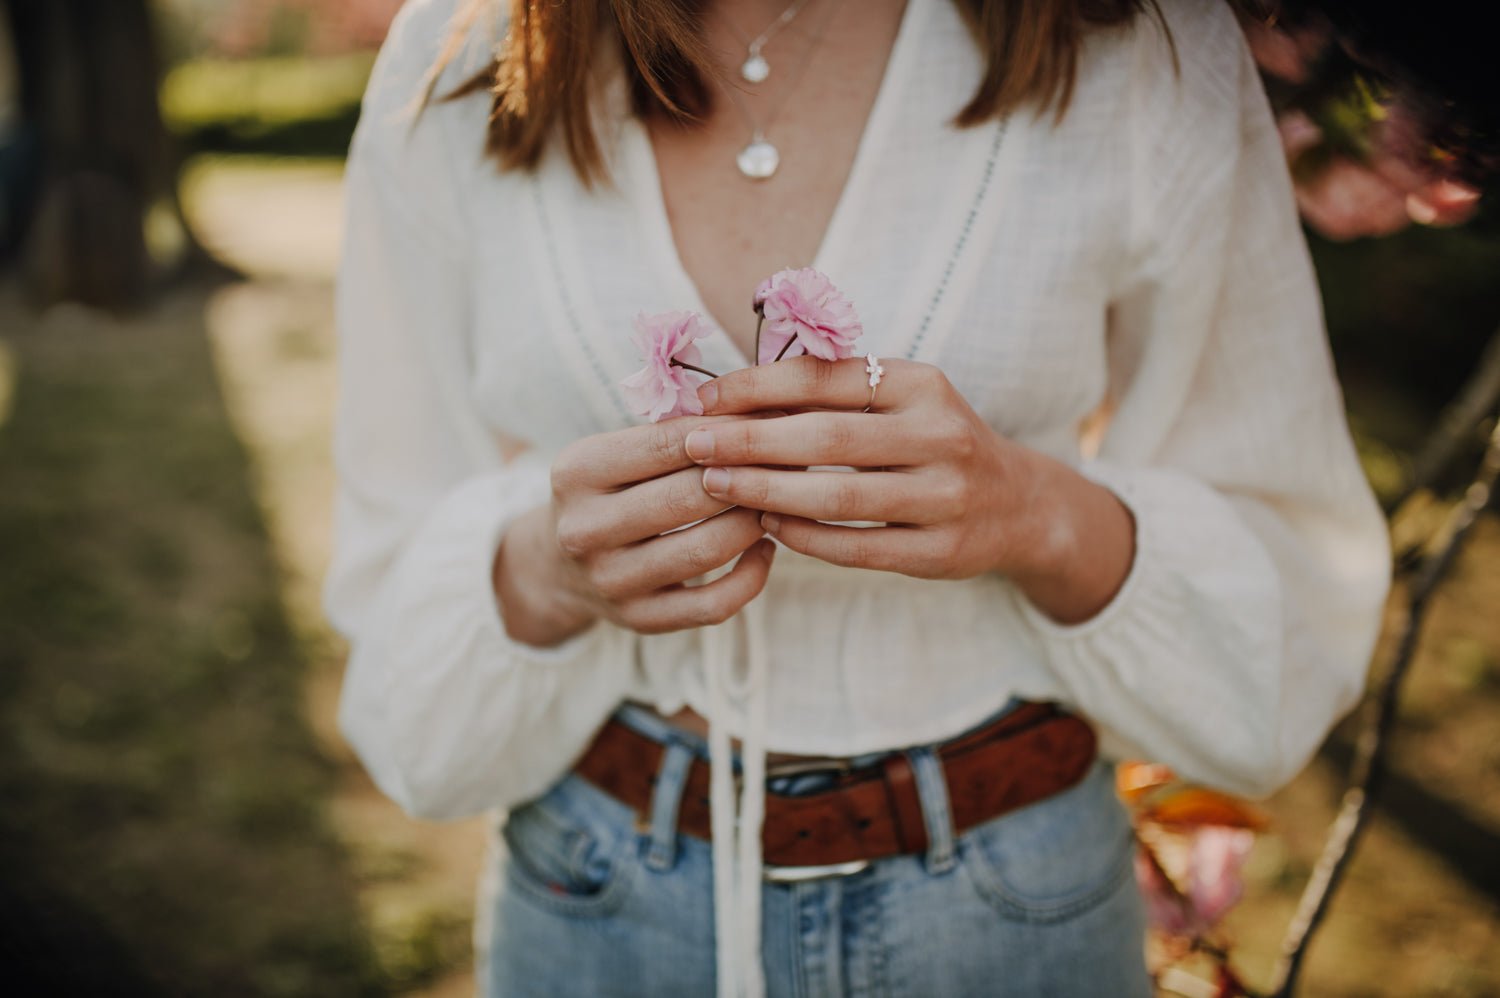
{"x":876,"y":372}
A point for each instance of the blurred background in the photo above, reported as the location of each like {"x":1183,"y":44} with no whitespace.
{"x":177,"y":813}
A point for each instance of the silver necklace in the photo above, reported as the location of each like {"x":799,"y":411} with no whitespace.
{"x":755,"y":69}
{"x":760,"y":159}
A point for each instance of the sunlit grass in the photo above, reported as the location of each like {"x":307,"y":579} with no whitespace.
{"x":272,"y":91}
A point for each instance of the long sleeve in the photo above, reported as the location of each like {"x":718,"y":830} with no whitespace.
{"x":448,"y":713}
{"x":1244,"y":628}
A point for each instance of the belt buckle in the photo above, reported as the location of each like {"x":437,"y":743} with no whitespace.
{"x":802,"y":874}
{"x":801,"y":767}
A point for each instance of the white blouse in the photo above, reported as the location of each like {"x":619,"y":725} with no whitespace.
{"x":1142,"y":257}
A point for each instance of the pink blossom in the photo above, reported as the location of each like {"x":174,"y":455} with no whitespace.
{"x":1210,"y":865}
{"x":663,"y":388}
{"x":1166,"y":908}
{"x":1396,"y":184}
{"x":761,"y":291}
{"x":803,"y":305}
{"x":1287,"y":51}
{"x":1218,"y":856}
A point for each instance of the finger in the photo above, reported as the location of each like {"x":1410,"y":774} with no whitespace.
{"x":614,"y":519}
{"x":607,"y":461}
{"x":812,"y":438}
{"x":834,"y":495}
{"x":680,"y":608}
{"x":673,"y":558}
{"x":887,"y":549}
{"x":807,"y":382}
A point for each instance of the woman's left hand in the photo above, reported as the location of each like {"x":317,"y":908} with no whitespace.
{"x":957,"y":499}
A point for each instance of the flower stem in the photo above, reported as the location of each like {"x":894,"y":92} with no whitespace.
{"x":692,"y":367}
{"x":785,"y":347}
{"x":760,"y":320}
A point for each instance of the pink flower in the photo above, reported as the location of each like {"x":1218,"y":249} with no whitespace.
{"x":1166,"y":908}
{"x":1397,"y":183}
{"x":761,"y":291}
{"x":1218,"y":856}
{"x":804,"y":306}
{"x":1214,"y":858}
{"x":1287,"y":51}
{"x":664,"y":387}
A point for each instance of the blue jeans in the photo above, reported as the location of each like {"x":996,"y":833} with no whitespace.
{"x":595,"y":902}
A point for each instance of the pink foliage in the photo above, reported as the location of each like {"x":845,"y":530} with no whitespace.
{"x":1199,"y":896}
{"x":1215,"y":869}
{"x":1167,"y":908}
{"x":1400,"y":181}
{"x":1395,"y":186}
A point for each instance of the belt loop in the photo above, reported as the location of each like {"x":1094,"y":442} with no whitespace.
{"x":671,"y":778}
{"x":932,"y":788}
{"x":905,"y":803}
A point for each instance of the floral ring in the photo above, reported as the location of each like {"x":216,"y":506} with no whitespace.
{"x":876,"y":372}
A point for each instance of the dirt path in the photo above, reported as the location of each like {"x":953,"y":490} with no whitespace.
{"x":273,"y":343}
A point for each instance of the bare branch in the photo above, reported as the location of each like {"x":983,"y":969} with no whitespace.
{"x":1478,"y":398}
{"x":1380,"y":711}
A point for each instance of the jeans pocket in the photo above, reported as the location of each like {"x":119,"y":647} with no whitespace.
{"x":1056,"y":859}
{"x":569,"y":852}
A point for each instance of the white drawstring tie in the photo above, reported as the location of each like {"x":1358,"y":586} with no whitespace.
{"x":737,"y":859}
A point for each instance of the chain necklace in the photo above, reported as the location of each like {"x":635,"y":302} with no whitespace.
{"x":755,"y":69}
{"x":760,"y":159}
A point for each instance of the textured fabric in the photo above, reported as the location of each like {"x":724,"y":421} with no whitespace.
{"x":1040,"y":903}
{"x":1141,"y":258}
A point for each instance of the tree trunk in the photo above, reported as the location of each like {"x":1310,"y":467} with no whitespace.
{"x":89,"y":89}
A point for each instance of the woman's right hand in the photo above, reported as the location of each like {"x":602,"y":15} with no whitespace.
{"x":609,"y":544}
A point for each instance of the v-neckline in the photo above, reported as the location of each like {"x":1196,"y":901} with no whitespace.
{"x":646,"y":191}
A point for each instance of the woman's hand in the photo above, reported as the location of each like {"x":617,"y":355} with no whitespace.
{"x":609,"y":544}
{"x":957,"y":499}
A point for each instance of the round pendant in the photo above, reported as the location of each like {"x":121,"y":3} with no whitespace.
{"x":755,"y":69}
{"x":758,"y":160}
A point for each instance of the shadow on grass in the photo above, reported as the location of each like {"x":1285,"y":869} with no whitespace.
{"x":163,"y":826}
{"x":326,"y":135}
{"x":1440,"y":825}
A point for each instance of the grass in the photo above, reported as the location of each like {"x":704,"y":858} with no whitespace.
{"x":164,"y":820}
{"x":279,"y":106}
{"x":272,"y":91}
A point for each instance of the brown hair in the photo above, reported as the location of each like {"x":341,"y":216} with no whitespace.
{"x":540,"y":78}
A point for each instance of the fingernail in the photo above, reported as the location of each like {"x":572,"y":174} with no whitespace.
{"x":770,"y":522}
{"x":708,"y":394}
{"x":699,"y":445}
{"x":716,"y":481}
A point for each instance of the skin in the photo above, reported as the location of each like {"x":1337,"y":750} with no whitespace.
{"x":957,"y":498}
{"x":615,"y":542}
{"x":638,"y":513}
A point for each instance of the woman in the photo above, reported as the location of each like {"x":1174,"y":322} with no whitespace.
{"x":1104,"y":237}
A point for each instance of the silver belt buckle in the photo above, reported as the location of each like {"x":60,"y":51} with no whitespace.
{"x":802,"y":874}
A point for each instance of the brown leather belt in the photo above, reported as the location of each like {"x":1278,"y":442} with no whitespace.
{"x":1029,"y":754}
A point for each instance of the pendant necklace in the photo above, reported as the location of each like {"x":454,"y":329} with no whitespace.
{"x":760,"y":159}
{"x":755,"y":69}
